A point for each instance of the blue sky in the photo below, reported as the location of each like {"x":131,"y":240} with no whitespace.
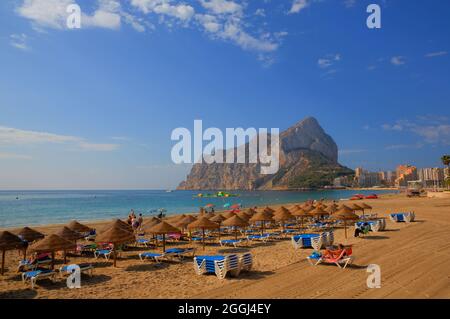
{"x":95,"y":107}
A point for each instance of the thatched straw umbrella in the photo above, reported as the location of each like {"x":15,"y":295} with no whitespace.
{"x":218,"y":219}
{"x":318,"y":212}
{"x":28,"y":234}
{"x":228,"y":214}
{"x":163,"y":228}
{"x":356,"y":207}
{"x":364,"y":206}
{"x":263,"y":217}
{"x":69,"y":234}
{"x":331,"y":209}
{"x":251,"y":212}
{"x":300,"y":212}
{"x":9,"y":241}
{"x":345,"y":214}
{"x":80,"y":228}
{"x":235,"y":222}
{"x":119,"y":223}
{"x":176,"y":218}
{"x":203,"y":223}
{"x":52,"y":244}
{"x":209,"y":215}
{"x":282,"y":215}
{"x":116,"y":235}
{"x":150,"y":223}
{"x":244,"y":216}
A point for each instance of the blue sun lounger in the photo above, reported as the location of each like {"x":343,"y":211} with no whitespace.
{"x":143,"y":242}
{"x":263,"y":238}
{"x":26,"y":265}
{"x":103,"y":252}
{"x":218,"y":265}
{"x":36,"y":275}
{"x":230,"y":242}
{"x":84,"y":268}
{"x":181,"y":252}
{"x":402,"y":217}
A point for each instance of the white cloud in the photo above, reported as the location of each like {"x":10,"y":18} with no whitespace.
{"x":53,"y":14}
{"x":209,"y":22}
{"x":436,"y":54}
{"x":351,"y":151}
{"x":349,"y":3}
{"x":181,"y":11}
{"x":98,"y":147}
{"x":19,"y":41}
{"x":222,"y":6}
{"x":298,"y":5}
{"x":398,"y":60}
{"x":432,"y":130}
{"x":102,"y":19}
{"x":14,"y":136}
{"x":260,"y":12}
{"x":220,"y":19}
{"x":328,"y":60}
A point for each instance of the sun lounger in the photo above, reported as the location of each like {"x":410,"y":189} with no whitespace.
{"x":403,"y":217}
{"x":143,"y":242}
{"x":245,"y":262}
{"x":103,"y":252}
{"x":218,"y":265}
{"x":156,"y":257}
{"x":264,"y":238}
{"x":307,"y":241}
{"x":340,"y":258}
{"x":230,"y":242}
{"x":287,"y":232}
{"x":28,"y":264}
{"x":36,"y":275}
{"x":315,"y":241}
{"x":181,"y":252}
{"x":91,"y":236}
{"x":84,"y":268}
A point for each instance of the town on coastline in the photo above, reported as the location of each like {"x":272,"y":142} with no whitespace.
{"x":405,"y":177}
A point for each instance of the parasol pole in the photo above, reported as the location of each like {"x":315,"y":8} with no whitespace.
{"x":164,"y":243}
{"x":3,"y":261}
{"x":203,"y":236}
{"x":53,"y":259}
{"x":345,"y":228}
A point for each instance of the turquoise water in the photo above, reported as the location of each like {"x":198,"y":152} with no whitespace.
{"x":28,"y":208}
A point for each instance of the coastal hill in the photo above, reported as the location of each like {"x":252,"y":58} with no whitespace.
{"x":308,"y":159}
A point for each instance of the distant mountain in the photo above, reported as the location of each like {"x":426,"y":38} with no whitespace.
{"x":308,"y":159}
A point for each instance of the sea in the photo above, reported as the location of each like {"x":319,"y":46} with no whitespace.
{"x":33,"y":208}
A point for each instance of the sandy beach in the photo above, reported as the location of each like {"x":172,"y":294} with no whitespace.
{"x":414,"y":260}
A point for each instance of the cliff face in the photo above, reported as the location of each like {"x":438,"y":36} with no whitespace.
{"x":308,"y":159}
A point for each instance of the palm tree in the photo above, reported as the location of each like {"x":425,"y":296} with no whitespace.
{"x":446,"y":161}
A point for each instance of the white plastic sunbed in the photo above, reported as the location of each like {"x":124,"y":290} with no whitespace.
{"x":36,"y":275}
{"x":84,"y":268}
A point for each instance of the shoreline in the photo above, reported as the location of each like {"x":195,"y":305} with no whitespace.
{"x":100,"y":222}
